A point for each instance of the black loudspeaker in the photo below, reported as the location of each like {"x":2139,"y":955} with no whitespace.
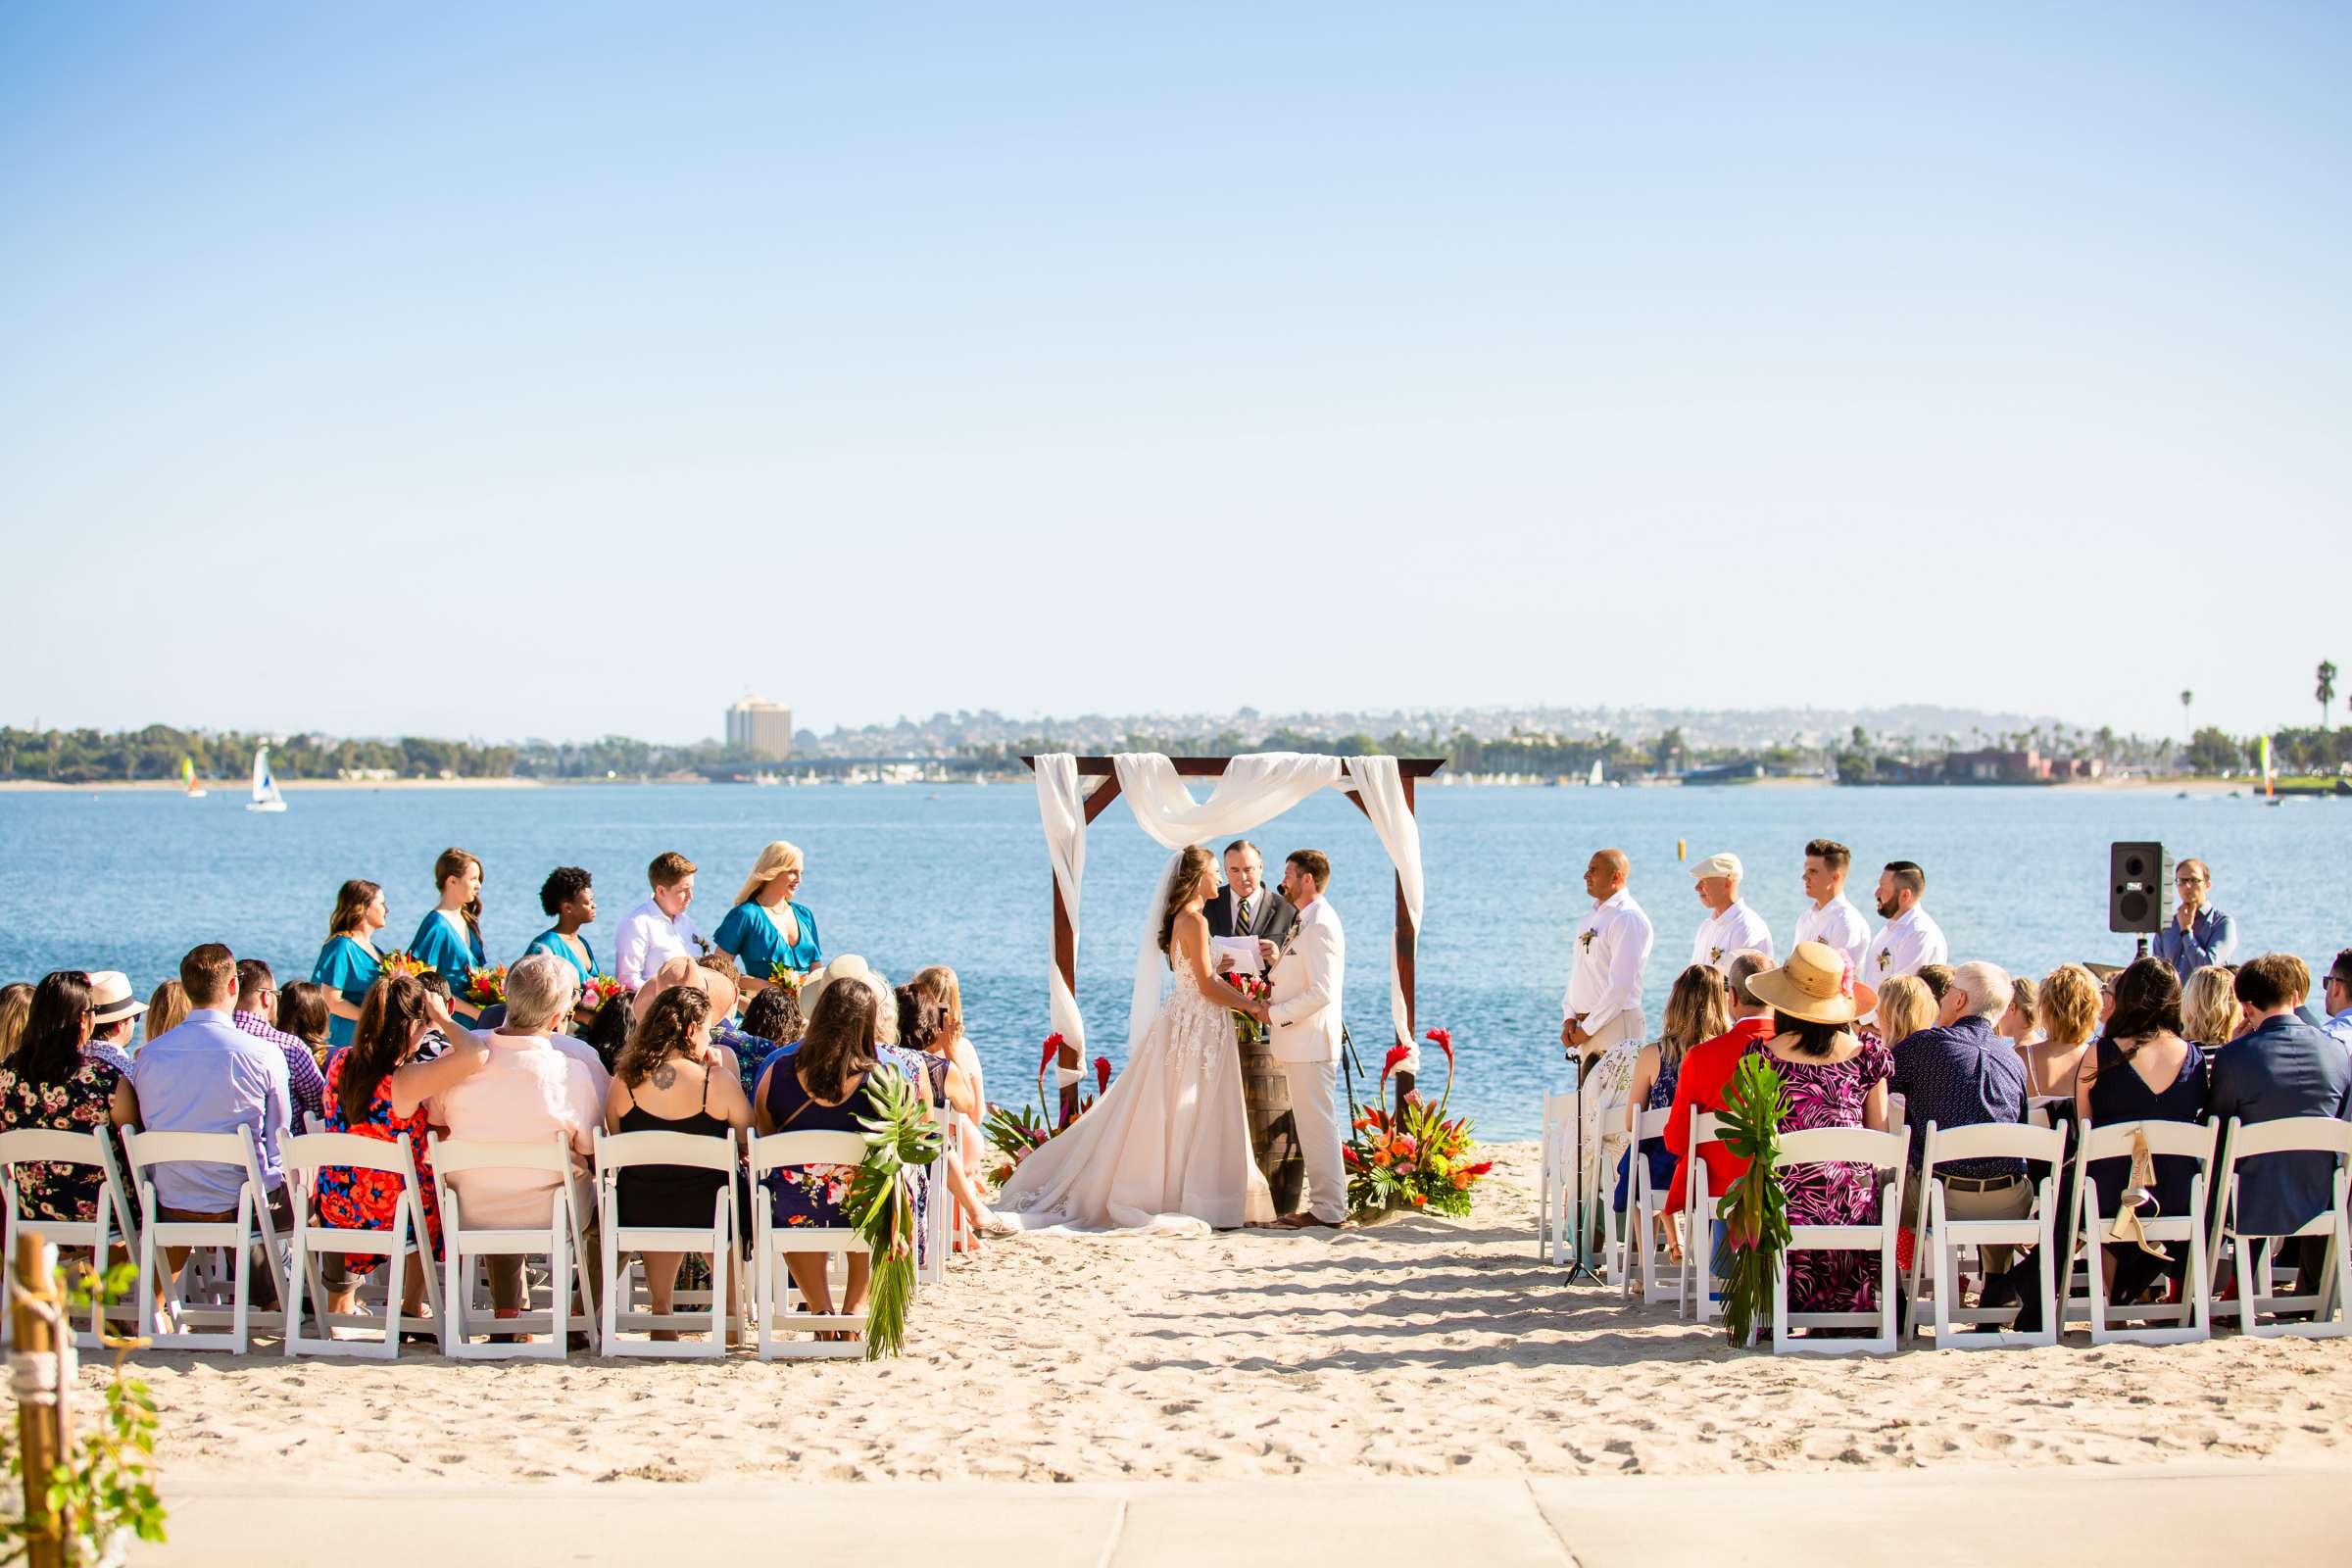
{"x":2140,"y":886}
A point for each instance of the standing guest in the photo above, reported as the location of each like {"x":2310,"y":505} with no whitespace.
{"x":348,"y":962}
{"x":2024,"y":1017}
{"x":210,"y":1076}
{"x":114,"y":1015}
{"x":1696,"y":1012}
{"x":1833,"y":1079}
{"x":2068,"y":1008}
{"x":52,"y":1083}
{"x":166,"y":1008}
{"x":1602,"y":1005}
{"x":449,"y":938}
{"x":1905,"y":1007}
{"x":303,"y":1014}
{"x":2281,"y":1067}
{"x":1961,"y":1073}
{"x":664,"y":1083}
{"x":1730,"y":924}
{"x":569,"y":897}
{"x":2197,"y":934}
{"x":1707,"y":1072}
{"x":1910,"y":940}
{"x":2339,"y":996}
{"x":767,"y":931}
{"x":16,"y":1005}
{"x":659,"y":929}
{"x":819,"y":1085}
{"x":1831,"y":920}
{"x":257,"y":1005}
{"x":2210,"y":1012}
{"x":1246,"y":906}
{"x":2142,"y":1070}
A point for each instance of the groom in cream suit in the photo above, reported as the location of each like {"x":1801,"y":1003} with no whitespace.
{"x":1305,"y":1012}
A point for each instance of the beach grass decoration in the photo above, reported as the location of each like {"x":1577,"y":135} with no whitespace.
{"x":899,"y":1138}
{"x":1755,"y":1209}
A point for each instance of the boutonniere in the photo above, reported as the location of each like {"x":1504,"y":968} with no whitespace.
{"x":1586,"y":940}
{"x":1885,"y":957}
{"x":1714,"y":955}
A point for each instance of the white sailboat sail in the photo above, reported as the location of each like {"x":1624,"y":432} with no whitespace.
{"x":1594,"y":780}
{"x":266,"y":797}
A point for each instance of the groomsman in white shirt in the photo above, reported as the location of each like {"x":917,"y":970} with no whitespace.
{"x":1910,"y":940}
{"x":1831,"y":918}
{"x":1731,"y":926}
{"x":1604,"y":1004}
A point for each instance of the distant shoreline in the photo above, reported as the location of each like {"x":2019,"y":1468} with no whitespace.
{"x":238,"y":788}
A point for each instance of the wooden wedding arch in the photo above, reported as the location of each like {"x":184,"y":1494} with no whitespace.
{"x":1410,"y":770}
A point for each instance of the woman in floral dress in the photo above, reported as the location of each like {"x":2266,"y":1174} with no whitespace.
{"x":1833,"y":1079}
{"x":49,"y":1084}
{"x":368,"y":1092}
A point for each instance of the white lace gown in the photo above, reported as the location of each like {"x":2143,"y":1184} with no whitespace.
{"x":1166,"y":1151}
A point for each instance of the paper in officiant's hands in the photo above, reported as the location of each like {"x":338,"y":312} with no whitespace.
{"x":1243,"y":950}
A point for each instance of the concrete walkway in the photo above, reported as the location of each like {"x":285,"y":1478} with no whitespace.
{"x":2241,"y":1515}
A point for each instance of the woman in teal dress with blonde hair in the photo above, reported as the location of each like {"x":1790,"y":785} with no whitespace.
{"x":449,"y":939}
{"x":349,"y":964}
{"x":767,"y":930}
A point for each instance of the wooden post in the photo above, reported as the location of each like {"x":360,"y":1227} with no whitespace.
{"x":39,"y":1426}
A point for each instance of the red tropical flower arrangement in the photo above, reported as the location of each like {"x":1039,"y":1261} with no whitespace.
{"x":397,"y":962}
{"x":1016,"y":1132}
{"x":1414,"y":1158}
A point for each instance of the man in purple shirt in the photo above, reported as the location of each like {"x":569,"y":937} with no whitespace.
{"x":257,"y":1005}
{"x":1962,"y":1074}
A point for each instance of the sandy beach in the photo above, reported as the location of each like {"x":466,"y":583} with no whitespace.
{"x":1418,"y":1348}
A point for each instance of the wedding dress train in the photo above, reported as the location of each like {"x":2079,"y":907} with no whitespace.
{"x":1165,"y":1150}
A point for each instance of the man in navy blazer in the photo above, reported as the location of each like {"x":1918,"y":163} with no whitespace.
{"x":2280,"y":1067}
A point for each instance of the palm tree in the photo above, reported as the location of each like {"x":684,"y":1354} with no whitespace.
{"x":2326,"y":691}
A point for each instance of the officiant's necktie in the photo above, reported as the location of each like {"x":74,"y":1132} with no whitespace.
{"x":1241,"y":917}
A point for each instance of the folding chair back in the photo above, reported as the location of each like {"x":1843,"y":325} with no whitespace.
{"x":1935,"y":1274}
{"x":1886,"y":1155}
{"x":306,"y":1154}
{"x":1557,"y":1185}
{"x":1662,"y":1276}
{"x":1699,"y":1301}
{"x":110,"y":1222}
{"x":461,"y":1245}
{"x":2176,"y":1322}
{"x":238,"y":1237}
{"x":618,"y":1313}
{"x":2261,"y":1309}
{"x":777,"y":1324}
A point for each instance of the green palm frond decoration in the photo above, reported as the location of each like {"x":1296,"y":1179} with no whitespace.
{"x":1755,"y":1207}
{"x":898,"y":1136}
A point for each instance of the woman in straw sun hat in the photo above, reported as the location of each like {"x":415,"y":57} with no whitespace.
{"x":1835,"y":1079}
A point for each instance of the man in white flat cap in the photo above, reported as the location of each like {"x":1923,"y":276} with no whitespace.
{"x":1730,"y":926}
{"x":113,"y":1013}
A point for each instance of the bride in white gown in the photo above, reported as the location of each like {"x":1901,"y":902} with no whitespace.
{"x":1166,"y":1149}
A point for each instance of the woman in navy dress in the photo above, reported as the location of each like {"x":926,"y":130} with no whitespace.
{"x":449,"y":939}
{"x":819,"y":1085}
{"x":2142,"y":1070}
{"x":349,"y":963}
{"x":767,"y":931}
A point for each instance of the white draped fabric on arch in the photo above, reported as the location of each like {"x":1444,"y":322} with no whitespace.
{"x":1252,"y":790}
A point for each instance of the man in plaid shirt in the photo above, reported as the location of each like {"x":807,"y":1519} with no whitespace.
{"x":257,"y":1005}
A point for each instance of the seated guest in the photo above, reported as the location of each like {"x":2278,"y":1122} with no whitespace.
{"x":2281,"y":1067}
{"x":348,"y":964}
{"x":922,"y":1029}
{"x":940,"y":984}
{"x":521,"y":1089}
{"x":1938,"y":978}
{"x":52,"y":1083}
{"x":2298,"y":975}
{"x":664,"y":1082}
{"x":2211,"y":1015}
{"x":607,"y":1032}
{"x":302,"y":1012}
{"x":440,"y":1002}
{"x":774,"y":1015}
{"x":2105,"y":975}
{"x":16,"y":1005}
{"x":2338,"y":995}
{"x":210,"y":1076}
{"x":113,"y":1018}
{"x":551,"y":976}
{"x":1833,"y":1079}
{"x":166,"y":1008}
{"x":450,"y":936}
{"x":2017,"y":1024}
{"x":2068,"y":1009}
{"x":1695,"y":1011}
{"x":2142,"y":1070}
{"x":1961,"y":1075}
{"x":1706,"y":1073}
{"x":257,"y":1005}
{"x":722,"y":982}
{"x":767,"y":931}
{"x":819,"y":1085}
{"x":568,"y":896}
{"x":1905,"y":1007}
{"x":660,"y":929}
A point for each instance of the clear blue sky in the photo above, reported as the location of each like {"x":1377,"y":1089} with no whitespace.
{"x":564,"y":370}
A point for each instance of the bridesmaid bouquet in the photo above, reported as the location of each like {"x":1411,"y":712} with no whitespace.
{"x":782,"y":975}
{"x":399,"y":964}
{"x":1414,"y":1158}
{"x":486,"y":985}
{"x":600,"y":988}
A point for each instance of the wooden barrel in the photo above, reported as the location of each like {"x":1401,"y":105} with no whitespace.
{"x":1273,"y":1132}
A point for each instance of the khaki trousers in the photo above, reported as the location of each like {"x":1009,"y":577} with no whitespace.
{"x":1963,"y":1200}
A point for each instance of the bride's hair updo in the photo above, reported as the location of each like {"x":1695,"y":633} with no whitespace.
{"x":1193,"y":867}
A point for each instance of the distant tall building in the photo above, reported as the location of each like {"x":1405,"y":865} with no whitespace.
{"x":762,"y":728}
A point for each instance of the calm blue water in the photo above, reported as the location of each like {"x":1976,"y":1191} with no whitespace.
{"x":129,"y":880}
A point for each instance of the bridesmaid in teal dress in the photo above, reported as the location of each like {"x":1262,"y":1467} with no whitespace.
{"x":766,"y":928}
{"x":349,"y":963}
{"x":449,"y":939}
{"x":568,"y":895}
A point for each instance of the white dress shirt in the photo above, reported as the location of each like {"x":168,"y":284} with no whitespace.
{"x":1604,"y":979}
{"x":1722,"y":935}
{"x":648,"y":939}
{"x":1838,"y":924}
{"x":1906,"y":944}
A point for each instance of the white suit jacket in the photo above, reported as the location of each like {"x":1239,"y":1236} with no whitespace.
{"x":1306,"y":1005}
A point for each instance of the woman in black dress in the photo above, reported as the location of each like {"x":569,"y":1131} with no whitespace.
{"x":2142,"y":1070}
{"x":666,"y":1081}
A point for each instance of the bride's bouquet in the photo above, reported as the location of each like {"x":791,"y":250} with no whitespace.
{"x":1258,"y":988}
{"x":1414,"y":1158}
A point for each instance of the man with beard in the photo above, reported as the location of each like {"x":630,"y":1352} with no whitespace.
{"x":1910,"y":940}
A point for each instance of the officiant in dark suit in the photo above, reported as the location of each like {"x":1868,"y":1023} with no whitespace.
{"x":1247,"y":906}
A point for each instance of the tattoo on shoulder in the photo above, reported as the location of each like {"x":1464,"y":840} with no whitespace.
{"x":664,"y":1076}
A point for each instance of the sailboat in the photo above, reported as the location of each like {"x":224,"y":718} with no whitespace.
{"x":1593,"y":780}
{"x":187,"y":778}
{"x":265,"y":788}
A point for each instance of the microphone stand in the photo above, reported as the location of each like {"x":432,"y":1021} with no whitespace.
{"x":1580,"y":1260}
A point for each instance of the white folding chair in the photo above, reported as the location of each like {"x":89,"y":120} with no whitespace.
{"x":777,"y":1323}
{"x":1935,"y":1259}
{"x":1699,"y":1301}
{"x":2257,"y":1294}
{"x":619,"y":1311}
{"x":237,"y":1239}
{"x":1885,"y":1153}
{"x":939,"y":1202}
{"x":1556,"y":1180}
{"x":110,"y":1221}
{"x":2176,"y":1322}
{"x":305,"y":1156}
{"x":558,"y":1241}
{"x":1662,"y":1277}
